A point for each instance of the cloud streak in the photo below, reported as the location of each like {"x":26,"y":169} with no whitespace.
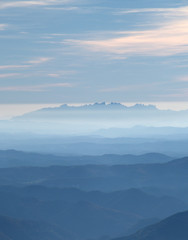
{"x":2,"y":67}
{"x":3,"y":27}
{"x":29,"y":64}
{"x":134,"y":87}
{"x":181,"y":11}
{"x":19,"y":4}
{"x":35,"y":88}
{"x":168,"y":39}
{"x":40,"y":60}
{"x":182,"y":79}
{"x":8,"y":75}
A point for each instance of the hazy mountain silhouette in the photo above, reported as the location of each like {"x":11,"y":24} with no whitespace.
{"x":142,"y":224}
{"x":89,"y":118}
{"x":36,"y":193}
{"x":172,"y":228}
{"x":102,"y":177}
{"x":87,"y":214}
{"x":145,"y":132}
{"x":12,"y":158}
{"x":168,"y":143}
{"x":89,"y":107}
{"x":14,"y":229}
{"x":132,"y":201}
{"x":84,"y":219}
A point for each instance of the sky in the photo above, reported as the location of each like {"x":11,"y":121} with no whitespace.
{"x":80,"y":51}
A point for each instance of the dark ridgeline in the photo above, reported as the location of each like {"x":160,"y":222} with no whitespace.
{"x":66,"y":200}
{"x":14,"y":229}
{"x":88,"y":213}
{"x":12,"y":158}
{"x":86,"y":197}
{"x":172,"y":228}
{"x":171,"y":175}
{"x":134,"y":141}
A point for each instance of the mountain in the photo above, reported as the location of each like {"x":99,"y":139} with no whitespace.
{"x":53,"y":194}
{"x":105,"y":112}
{"x":132,"y":201}
{"x":172,"y":228}
{"x":90,"y":107}
{"x":82,"y":218}
{"x":14,"y":229}
{"x":87,"y":214}
{"x":167,"y":143}
{"x":12,"y":158}
{"x":102,"y":177}
{"x":145,"y":132}
{"x":90,"y":118}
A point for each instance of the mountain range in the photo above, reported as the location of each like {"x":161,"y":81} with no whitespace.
{"x":102,"y":177}
{"x":88,"y":201}
{"x":87,"y":119}
{"x":16,"y":229}
{"x":166,"y":142}
{"x":114,"y":106}
{"x":12,"y":158}
{"x":172,"y":228}
{"x":87,"y":214}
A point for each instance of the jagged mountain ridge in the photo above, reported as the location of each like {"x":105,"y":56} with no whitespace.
{"x":101,"y":107}
{"x":91,"y":117}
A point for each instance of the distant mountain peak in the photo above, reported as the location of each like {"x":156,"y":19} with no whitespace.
{"x":101,"y":104}
{"x":88,"y":112}
{"x":140,"y":106}
{"x":114,"y":105}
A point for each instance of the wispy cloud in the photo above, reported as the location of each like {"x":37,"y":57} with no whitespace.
{"x":35,"y":88}
{"x":3,"y":26}
{"x":60,"y":73}
{"x":169,"y":38}
{"x":28,"y":64}
{"x":13,"y":66}
{"x":165,"y":11}
{"x":54,"y":75}
{"x":64,"y":8}
{"x":182,"y":79}
{"x":116,"y":89}
{"x":178,"y":94}
{"x":8,"y":75}
{"x":14,"y":4}
{"x":40,"y":60}
{"x":133,"y":87}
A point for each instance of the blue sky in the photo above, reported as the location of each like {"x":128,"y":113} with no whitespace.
{"x":66,"y":51}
